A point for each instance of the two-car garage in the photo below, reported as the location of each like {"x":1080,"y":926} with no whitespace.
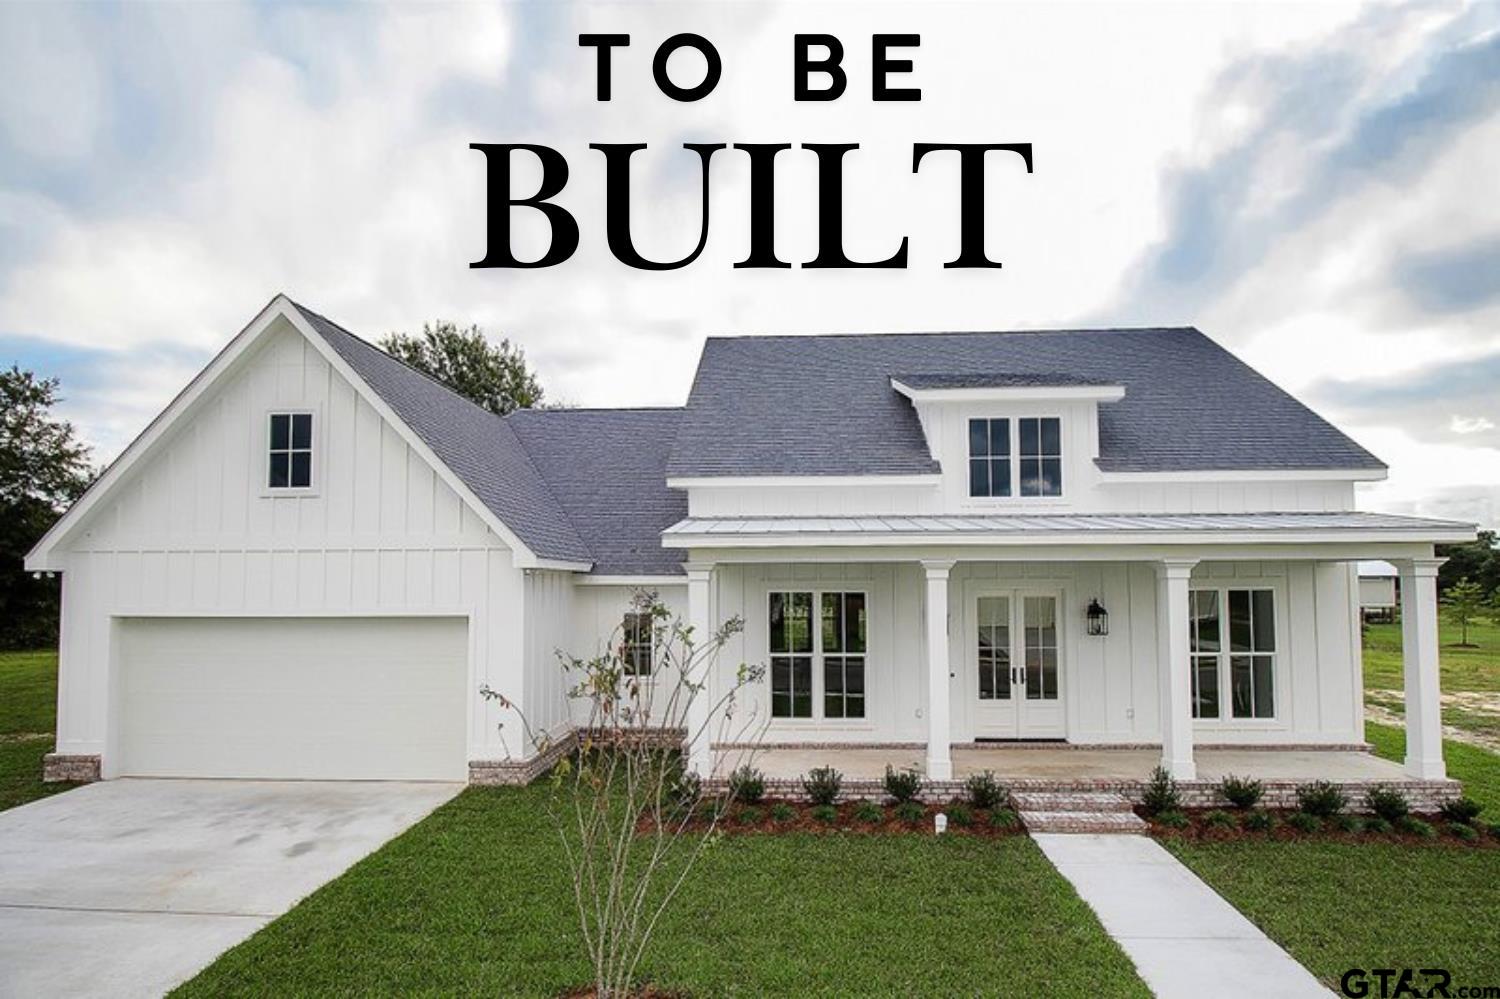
{"x":327,"y":698}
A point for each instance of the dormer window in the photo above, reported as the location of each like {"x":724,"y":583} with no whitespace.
{"x":290,"y":451}
{"x":998,"y":446}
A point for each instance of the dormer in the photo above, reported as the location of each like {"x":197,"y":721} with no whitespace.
{"x":1010,"y":441}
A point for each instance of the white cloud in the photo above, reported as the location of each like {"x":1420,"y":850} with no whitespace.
{"x":1470,"y":424}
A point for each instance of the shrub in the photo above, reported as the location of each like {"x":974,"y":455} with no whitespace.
{"x":747,"y":785}
{"x":1004,"y":818}
{"x":1347,"y":823}
{"x":910,"y":811}
{"x":869,"y":813}
{"x":984,"y":791}
{"x":1462,"y":811}
{"x":1171,"y":818}
{"x":1241,"y":792}
{"x":1260,"y":820}
{"x":1386,"y":802}
{"x":1413,"y":826}
{"x":751,"y":816}
{"x":684,"y":789}
{"x":782,"y":812}
{"x":902,"y":785}
{"x":1220,"y":820}
{"x":960,"y":815}
{"x":822,"y":785}
{"x":825,"y":814}
{"x":1305,"y":822}
{"x":1377,"y":826}
{"x":1321,"y":799}
{"x":1160,"y":794}
{"x":1495,"y":829}
{"x":1467,"y":833}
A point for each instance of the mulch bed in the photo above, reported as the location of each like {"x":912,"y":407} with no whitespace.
{"x":758,"y":819}
{"x":1198,"y":828}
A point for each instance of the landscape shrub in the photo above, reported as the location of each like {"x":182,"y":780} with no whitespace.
{"x":751,"y":816}
{"x":902,"y":785}
{"x":782,"y":812}
{"x":1462,"y":811}
{"x":1305,"y":822}
{"x":1387,"y":802}
{"x":1321,"y":799}
{"x":822,"y":785}
{"x":1465,"y":832}
{"x":1004,"y":818}
{"x":960,"y":815}
{"x":910,"y":811}
{"x":1413,"y":826}
{"x":984,"y":791}
{"x":1160,"y":794}
{"x":869,"y":813}
{"x":1218,"y":819}
{"x":1172,"y":818}
{"x":747,"y":785}
{"x":1241,"y":792}
{"x":1347,"y":823}
{"x":1260,"y":820}
{"x":1377,"y":826}
{"x":825,"y":814}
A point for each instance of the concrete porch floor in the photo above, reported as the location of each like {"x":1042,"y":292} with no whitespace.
{"x":1063,"y":763}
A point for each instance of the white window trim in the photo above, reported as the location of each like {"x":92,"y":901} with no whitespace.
{"x":818,"y":719}
{"x":264,"y":454}
{"x":1015,"y":498}
{"x":651,"y":663}
{"x":1279,"y":680}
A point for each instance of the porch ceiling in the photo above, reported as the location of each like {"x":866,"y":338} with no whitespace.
{"x":1062,"y":529}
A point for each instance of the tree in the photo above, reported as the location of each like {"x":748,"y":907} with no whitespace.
{"x":1464,"y":603}
{"x":1477,"y":560}
{"x":633,"y":822}
{"x":496,"y":377}
{"x":43,"y":468}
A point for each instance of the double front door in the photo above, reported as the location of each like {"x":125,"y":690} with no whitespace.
{"x":1015,"y":665}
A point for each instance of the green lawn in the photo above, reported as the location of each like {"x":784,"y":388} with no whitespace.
{"x":28,"y":713}
{"x":475,"y":900}
{"x":1340,"y":905}
{"x":1460,"y":669}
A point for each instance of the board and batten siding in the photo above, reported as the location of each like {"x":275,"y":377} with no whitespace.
{"x":192,"y":531}
{"x":1110,"y":685}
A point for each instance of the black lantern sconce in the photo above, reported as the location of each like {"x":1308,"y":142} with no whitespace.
{"x":1098,"y":619}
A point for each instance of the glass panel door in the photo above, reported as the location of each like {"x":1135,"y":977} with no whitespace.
{"x":994,"y":648}
{"x":1041,"y":647}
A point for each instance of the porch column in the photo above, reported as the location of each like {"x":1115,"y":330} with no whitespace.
{"x":1419,"y":660}
{"x":1173,"y":667}
{"x":700,"y":619}
{"x":939,"y":758}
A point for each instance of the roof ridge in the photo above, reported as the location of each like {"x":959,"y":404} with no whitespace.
{"x":543,"y":410}
{"x":857,"y":334}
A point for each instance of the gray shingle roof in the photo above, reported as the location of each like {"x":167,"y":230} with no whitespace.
{"x":997,"y":379}
{"x":476,"y":445}
{"x":823,"y":405}
{"x":609,"y":468}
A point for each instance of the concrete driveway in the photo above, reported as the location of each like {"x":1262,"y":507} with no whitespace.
{"x":130,"y":887}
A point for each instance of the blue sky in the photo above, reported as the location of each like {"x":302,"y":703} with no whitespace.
{"x":1317,"y":186}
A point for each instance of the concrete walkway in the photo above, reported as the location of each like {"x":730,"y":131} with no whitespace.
{"x":1184,"y":939}
{"x":130,"y":887}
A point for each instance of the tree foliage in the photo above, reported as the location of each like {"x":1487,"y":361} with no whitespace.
{"x":1477,"y":561}
{"x":1463,"y":604}
{"x":493,"y":375}
{"x":43,"y":468}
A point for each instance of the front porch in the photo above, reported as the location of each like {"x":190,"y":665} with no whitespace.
{"x":1064,"y":768}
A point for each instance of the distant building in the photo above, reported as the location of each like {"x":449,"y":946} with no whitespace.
{"x":1377,"y":591}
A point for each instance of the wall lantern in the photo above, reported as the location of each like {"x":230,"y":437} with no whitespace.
{"x":1098,"y":618}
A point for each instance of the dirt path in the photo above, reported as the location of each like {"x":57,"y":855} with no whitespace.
{"x":1482,"y":703}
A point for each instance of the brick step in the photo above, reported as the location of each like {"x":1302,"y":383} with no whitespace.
{"x":1070,"y":801}
{"x":1083,"y":822}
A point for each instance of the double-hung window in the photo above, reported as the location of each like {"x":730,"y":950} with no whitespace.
{"x":818,"y":662}
{"x":636,"y":640}
{"x":1232,"y":641}
{"x":1021,"y":457}
{"x":290,"y":451}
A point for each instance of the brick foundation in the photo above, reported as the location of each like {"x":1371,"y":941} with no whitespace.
{"x":61,"y":767}
{"x":517,"y":772}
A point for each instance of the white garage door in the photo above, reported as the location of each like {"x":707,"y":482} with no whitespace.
{"x":318,"y":698}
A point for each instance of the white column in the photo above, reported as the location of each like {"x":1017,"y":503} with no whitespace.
{"x":1173,"y":667}
{"x":1419,"y":660}
{"x":939,"y":757}
{"x":700,"y":619}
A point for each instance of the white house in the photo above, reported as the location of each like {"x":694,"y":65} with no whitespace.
{"x":1377,"y":590}
{"x":309,"y":564}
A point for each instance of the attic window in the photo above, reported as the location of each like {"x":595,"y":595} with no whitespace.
{"x":290,"y":451}
{"x":1021,"y":457}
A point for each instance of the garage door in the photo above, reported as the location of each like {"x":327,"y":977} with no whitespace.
{"x":318,"y":698}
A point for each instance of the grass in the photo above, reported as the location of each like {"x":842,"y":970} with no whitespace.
{"x":1337,"y":906}
{"x":475,"y":899}
{"x":28,"y":714}
{"x":1459,"y":668}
